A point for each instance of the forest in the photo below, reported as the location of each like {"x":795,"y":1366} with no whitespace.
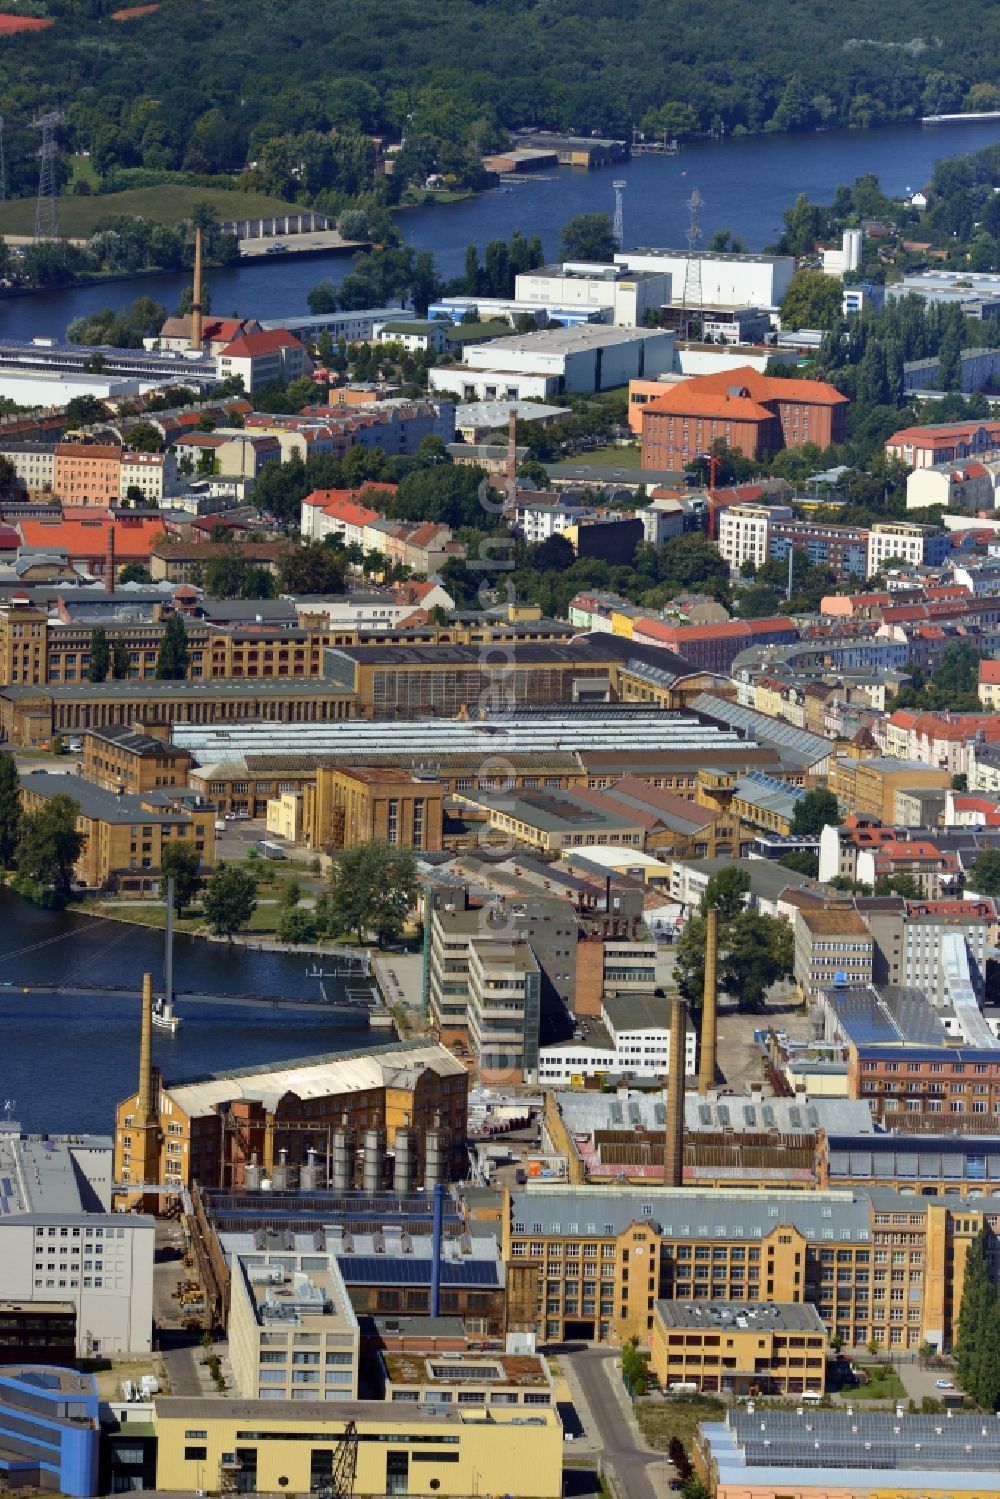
{"x":284,"y":97}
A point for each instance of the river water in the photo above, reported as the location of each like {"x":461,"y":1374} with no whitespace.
{"x":67,"y":1059}
{"x":746,"y":185}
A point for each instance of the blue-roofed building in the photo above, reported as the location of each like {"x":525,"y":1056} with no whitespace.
{"x":49,"y":1430}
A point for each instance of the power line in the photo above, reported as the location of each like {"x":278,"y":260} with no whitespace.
{"x":47,"y":208}
{"x":691,"y":301}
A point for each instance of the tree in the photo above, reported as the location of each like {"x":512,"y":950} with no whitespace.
{"x":172,"y":656}
{"x":311,"y":568}
{"x":48,"y":849}
{"x":983,"y":875}
{"x":760,"y":951}
{"x":372,"y":887}
{"x":813,"y":812}
{"x":296,"y":925}
{"x":801,"y":861}
{"x":230,"y":899}
{"x":100,"y":655}
{"x":181,"y":862}
{"x":727,"y":892}
{"x":135,"y":573}
{"x":588,"y":236}
{"x":553,"y":554}
{"x":813,"y":300}
{"x":976,"y":1318}
{"x":754,"y":950}
{"x":119,"y":661}
{"x":10,"y":810}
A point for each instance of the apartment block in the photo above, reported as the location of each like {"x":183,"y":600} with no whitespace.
{"x":918,"y":546}
{"x":504,"y":1008}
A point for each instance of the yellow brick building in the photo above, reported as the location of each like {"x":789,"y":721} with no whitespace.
{"x":767,"y":1349}
{"x":211,"y":1129}
{"x":290,"y":1446}
{"x":877,"y":1265}
{"x":346,"y":807}
{"x":124,"y":836}
{"x":134,"y":759}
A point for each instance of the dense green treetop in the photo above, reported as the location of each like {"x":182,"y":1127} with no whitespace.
{"x":270,"y":82}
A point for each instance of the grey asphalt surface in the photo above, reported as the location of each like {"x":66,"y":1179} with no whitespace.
{"x":614,"y":1435}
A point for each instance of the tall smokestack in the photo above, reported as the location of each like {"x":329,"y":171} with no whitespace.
{"x":709,"y":1004}
{"x":109,"y":562}
{"x":145,"y":1101}
{"x":196,"y":293}
{"x":512,"y":451}
{"x":673,"y":1153}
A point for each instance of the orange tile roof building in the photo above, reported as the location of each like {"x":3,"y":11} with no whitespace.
{"x":755,"y":414}
{"x":942,"y":442}
{"x":99,"y":544}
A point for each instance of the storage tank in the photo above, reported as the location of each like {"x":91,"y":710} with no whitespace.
{"x":283,"y":1175}
{"x":852,"y":245}
{"x":434,"y":1165}
{"x":309,"y":1172}
{"x":374,"y":1158}
{"x":252,"y":1175}
{"x":342,"y":1165}
{"x":402,"y":1170}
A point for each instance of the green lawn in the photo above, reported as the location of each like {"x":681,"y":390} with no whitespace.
{"x":883,"y":1384}
{"x":611,"y":457}
{"x":78,"y":217}
{"x":662,"y":1417}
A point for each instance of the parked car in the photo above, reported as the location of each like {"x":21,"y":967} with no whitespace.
{"x":943,"y":1384}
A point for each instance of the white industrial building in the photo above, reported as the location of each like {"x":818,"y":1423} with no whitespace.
{"x":552,"y":361}
{"x":633,"y":1039}
{"x":60,"y":1241}
{"x":726,"y":280}
{"x":48,"y":388}
{"x":622,"y":295}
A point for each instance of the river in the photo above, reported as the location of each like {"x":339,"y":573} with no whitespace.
{"x":746,"y":184}
{"x":68,"y":1059}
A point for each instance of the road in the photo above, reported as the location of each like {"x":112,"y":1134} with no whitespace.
{"x":614,"y":1434}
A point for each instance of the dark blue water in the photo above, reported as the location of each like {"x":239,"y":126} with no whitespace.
{"x":68,"y":1059}
{"x":746,"y":185}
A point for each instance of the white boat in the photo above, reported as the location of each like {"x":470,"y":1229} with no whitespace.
{"x":164,"y":1017}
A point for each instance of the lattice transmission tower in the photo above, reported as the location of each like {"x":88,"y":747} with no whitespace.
{"x":691,"y":308}
{"x":619,"y":225}
{"x":47,"y":208}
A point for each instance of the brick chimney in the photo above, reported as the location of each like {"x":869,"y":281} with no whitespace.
{"x":109,"y":563}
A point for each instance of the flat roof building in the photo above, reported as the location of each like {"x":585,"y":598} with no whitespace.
{"x":739,"y":1348}
{"x":60,"y":1242}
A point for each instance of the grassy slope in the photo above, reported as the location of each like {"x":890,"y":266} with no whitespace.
{"x":78,"y":217}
